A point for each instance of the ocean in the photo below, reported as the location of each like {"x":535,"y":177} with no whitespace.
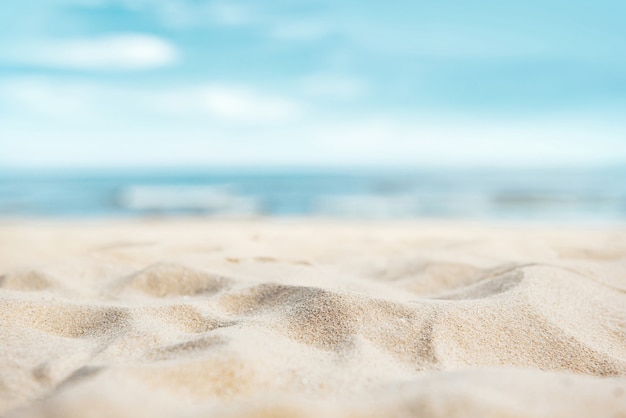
{"x":592,"y":194}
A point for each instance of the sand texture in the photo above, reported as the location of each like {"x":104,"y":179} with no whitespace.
{"x":200,"y":318}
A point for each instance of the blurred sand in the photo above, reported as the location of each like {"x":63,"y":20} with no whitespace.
{"x":191,"y":318}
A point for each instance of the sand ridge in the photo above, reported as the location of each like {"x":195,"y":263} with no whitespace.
{"x":309,"y":318}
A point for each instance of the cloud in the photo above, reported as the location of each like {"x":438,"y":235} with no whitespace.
{"x":71,"y":101}
{"x":391,"y":140}
{"x":375,"y":140}
{"x":42,"y":98}
{"x":274,"y":21}
{"x":114,"y":52}
{"x":243,"y":105}
{"x":234,"y":104}
{"x":86,"y":123}
{"x":229,"y":104}
{"x":79,"y":122}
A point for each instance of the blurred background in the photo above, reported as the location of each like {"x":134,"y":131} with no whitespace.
{"x":357,"y":109}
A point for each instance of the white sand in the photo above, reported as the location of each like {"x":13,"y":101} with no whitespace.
{"x":195,"y":318}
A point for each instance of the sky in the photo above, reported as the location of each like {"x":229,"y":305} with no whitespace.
{"x":277,"y":83}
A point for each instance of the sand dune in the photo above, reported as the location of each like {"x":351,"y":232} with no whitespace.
{"x":309,"y":318}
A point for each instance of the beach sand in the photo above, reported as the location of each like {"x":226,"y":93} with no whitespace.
{"x":310,"y":318}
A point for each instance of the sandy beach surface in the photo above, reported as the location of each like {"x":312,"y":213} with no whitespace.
{"x":310,"y":318}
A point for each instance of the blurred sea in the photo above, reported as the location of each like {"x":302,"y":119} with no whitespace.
{"x":548,"y":194}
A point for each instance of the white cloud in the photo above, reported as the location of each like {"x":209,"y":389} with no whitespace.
{"x":113,"y":52}
{"x":270,"y":20}
{"x":239,"y":105}
{"x":41,"y":98}
{"x":221,"y":103}
{"x":244,"y":105}
{"x":85,"y":122}
{"x":454,"y":140}
{"x":367,"y":141}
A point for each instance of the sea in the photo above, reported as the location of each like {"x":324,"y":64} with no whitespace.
{"x":550,"y":194}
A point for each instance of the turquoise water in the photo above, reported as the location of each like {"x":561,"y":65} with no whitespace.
{"x":550,"y":194}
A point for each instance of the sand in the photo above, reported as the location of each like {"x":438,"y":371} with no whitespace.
{"x":309,"y":318}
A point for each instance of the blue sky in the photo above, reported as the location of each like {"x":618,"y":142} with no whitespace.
{"x":284,"y":83}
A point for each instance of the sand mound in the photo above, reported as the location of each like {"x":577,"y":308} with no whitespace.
{"x":64,"y":319}
{"x":28,"y":280}
{"x":381,"y":320}
{"x":166,"y":279}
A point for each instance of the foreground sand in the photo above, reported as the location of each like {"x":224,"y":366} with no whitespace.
{"x":308,"y":318}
